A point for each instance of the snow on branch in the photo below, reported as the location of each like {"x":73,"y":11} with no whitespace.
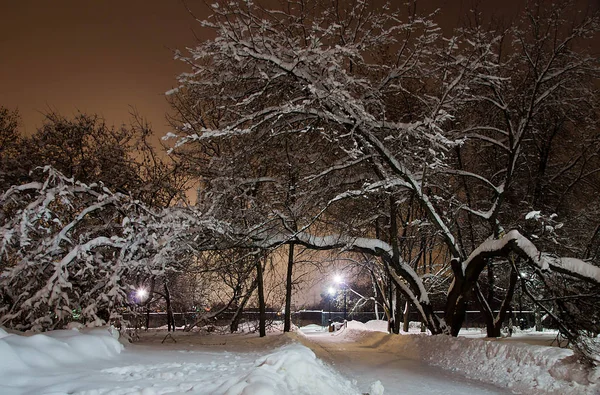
{"x":516,"y":242}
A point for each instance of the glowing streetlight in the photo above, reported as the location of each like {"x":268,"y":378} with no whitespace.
{"x":340,"y":281}
{"x":331,"y":291}
{"x":141,"y":294}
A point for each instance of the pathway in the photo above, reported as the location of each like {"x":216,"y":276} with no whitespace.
{"x":365,"y":362}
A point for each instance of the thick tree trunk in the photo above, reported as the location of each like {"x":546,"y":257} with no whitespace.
{"x":262,"y":317}
{"x":398,"y":316}
{"x":287,"y":324}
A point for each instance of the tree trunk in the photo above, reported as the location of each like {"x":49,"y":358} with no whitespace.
{"x":262,"y":325}
{"x":486,"y":311}
{"x":287,"y":324}
{"x":455,"y":302}
{"x":494,"y":322}
{"x":398,"y":316}
{"x":170,"y":318}
{"x":147,"y":317}
{"x":491,"y":284}
{"x":376,"y":294}
{"x":237,"y":316}
{"x":406,"y":322}
{"x":538,"y":319}
{"x":505,"y":307}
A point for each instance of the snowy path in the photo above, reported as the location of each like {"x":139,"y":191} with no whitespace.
{"x":359,"y":359}
{"x":365,"y":362}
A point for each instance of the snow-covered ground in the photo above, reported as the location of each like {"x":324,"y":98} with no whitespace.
{"x":524,"y":363}
{"x":70,"y":362}
{"x":356,"y":360}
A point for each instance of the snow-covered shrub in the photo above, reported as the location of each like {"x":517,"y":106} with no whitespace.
{"x":63,"y":248}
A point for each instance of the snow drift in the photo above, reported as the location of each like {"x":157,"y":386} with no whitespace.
{"x":292,"y":369}
{"x":91,"y":362}
{"x":520,"y":367}
{"x":58,"y":348}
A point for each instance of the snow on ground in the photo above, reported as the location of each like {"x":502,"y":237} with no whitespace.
{"x":515,"y":364}
{"x":358,"y":359}
{"x":94,"y":363}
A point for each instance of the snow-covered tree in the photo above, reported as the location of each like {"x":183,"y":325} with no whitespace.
{"x":377,"y":103}
{"x":531,"y":127}
{"x":69,"y":248}
{"x":61,"y":252}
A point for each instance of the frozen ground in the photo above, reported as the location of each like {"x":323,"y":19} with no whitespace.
{"x":356,"y":360}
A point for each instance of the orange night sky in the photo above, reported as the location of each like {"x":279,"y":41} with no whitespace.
{"x":103,"y":56}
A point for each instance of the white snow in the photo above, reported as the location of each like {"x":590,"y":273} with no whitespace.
{"x":94,"y":362}
{"x":544,"y":261}
{"x":574,"y":265}
{"x":517,"y":364}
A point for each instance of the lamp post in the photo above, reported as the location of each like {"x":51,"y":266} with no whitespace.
{"x":331,"y":291}
{"x":141,"y":295}
{"x":340,"y":281}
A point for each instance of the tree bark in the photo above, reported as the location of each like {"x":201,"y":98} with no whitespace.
{"x":398,"y":313}
{"x":406,"y":322}
{"x":287,"y":325}
{"x":262,"y":315}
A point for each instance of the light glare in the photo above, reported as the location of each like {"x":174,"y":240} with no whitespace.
{"x":141,"y":293}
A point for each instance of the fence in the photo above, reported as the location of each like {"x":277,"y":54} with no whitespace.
{"x":473,"y":319}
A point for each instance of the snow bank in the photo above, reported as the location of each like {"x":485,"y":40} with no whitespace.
{"x":356,"y":330}
{"x":69,"y":361}
{"x":518,"y":366}
{"x":292,"y":369}
{"x":54,"y":349}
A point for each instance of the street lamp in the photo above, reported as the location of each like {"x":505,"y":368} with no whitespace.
{"x":331,"y":291}
{"x":141,"y":294}
{"x":340,"y":281}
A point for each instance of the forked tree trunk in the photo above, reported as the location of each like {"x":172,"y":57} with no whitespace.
{"x":237,"y":316}
{"x":494,"y":322}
